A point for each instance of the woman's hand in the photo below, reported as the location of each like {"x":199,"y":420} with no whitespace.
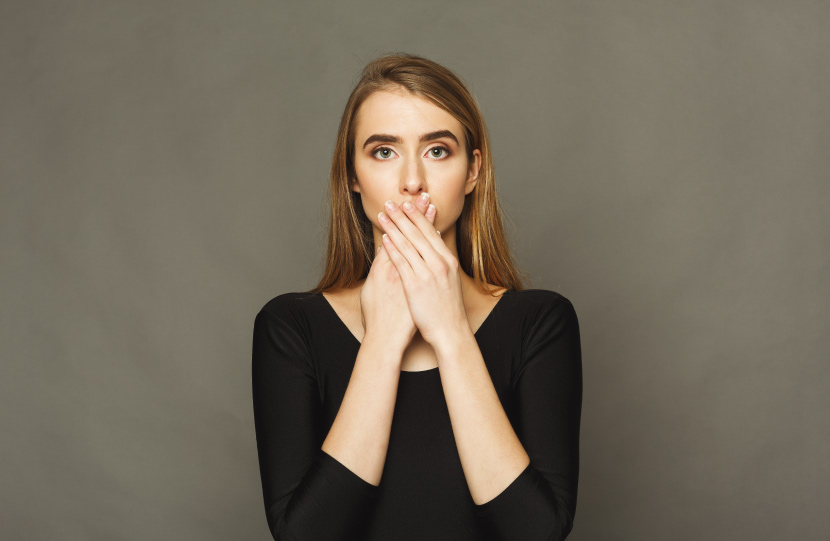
{"x":383,"y":305}
{"x":430,"y":273}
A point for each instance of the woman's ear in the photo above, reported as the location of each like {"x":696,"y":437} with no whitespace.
{"x":472,"y":172}
{"x":355,"y":186}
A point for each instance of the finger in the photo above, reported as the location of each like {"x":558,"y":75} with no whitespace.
{"x":425,"y":224}
{"x":430,"y":213}
{"x":412,"y":244}
{"x":420,"y":232}
{"x":401,"y":263}
{"x":422,"y":203}
{"x":381,"y":255}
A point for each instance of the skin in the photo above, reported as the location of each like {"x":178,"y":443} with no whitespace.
{"x":400,"y":172}
{"x":427,"y":271}
{"x":405,"y":171}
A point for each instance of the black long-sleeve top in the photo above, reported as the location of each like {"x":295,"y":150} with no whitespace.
{"x":303,"y":356}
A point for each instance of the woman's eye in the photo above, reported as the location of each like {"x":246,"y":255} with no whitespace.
{"x":383,"y":153}
{"x":439,"y":152}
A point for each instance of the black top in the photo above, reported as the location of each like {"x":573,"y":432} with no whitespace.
{"x":303,"y":356}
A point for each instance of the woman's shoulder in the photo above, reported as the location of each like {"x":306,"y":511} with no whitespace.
{"x":290,"y":304}
{"x":536,"y":304}
{"x":541,"y":296}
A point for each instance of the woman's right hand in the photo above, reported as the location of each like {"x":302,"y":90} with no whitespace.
{"x":383,"y":305}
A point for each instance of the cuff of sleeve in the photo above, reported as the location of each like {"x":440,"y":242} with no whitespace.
{"x":515,"y":490}
{"x":339,"y":475}
{"x":527,"y":505}
{"x":330,"y":500}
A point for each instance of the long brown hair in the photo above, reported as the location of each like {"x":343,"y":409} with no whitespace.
{"x":483,"y":252}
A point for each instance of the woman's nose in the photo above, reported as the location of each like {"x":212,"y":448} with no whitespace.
{"x":413,"y":176}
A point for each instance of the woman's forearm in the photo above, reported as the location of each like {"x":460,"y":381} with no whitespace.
{"x":491,"y":454}
{"x":359,"y":435}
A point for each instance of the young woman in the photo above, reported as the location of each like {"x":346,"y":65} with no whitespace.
{"x":419,"y":391}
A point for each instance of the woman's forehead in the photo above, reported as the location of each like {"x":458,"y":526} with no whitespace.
{"x":403,"y":114}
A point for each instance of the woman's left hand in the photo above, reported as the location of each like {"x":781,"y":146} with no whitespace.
{"x":430,"y":273}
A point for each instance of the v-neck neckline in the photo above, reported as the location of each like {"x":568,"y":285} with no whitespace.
{"x":359,"y":343}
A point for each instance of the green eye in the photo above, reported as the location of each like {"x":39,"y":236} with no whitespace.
{"x":384,"y":153}
{"x":439,"y":152}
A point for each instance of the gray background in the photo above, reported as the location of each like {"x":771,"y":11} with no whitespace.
{"x":664,"y":165}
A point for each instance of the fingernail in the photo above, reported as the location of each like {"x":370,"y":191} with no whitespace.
{"x":431,"y":209}
{"x":407,"y":205}
{"x":423,"y":199}
{"x":390,"y":206}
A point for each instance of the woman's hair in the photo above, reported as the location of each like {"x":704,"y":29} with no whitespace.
{"x":483,"y":252}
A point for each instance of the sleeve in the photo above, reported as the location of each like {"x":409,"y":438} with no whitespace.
{"x":541,"y":502}
{"x":308,"y":494}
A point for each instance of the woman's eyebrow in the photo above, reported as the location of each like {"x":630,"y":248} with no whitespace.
{"x":431,"y":136}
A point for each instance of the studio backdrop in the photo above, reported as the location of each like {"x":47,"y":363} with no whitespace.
{"x":163,"y":174}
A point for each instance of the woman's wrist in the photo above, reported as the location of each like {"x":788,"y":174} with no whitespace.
{"x":451,"y":341}
{"x":391,"y":345}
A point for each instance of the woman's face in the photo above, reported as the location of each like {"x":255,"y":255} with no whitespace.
{"x":405,"y":146}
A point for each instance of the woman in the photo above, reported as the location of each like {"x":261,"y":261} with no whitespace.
{"x":418,"y":392}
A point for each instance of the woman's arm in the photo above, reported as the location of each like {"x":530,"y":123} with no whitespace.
{"x":312,"y":492}
{"x":540,"y":501}
{"x":359,"y":435}
{"x":548,"y":392}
